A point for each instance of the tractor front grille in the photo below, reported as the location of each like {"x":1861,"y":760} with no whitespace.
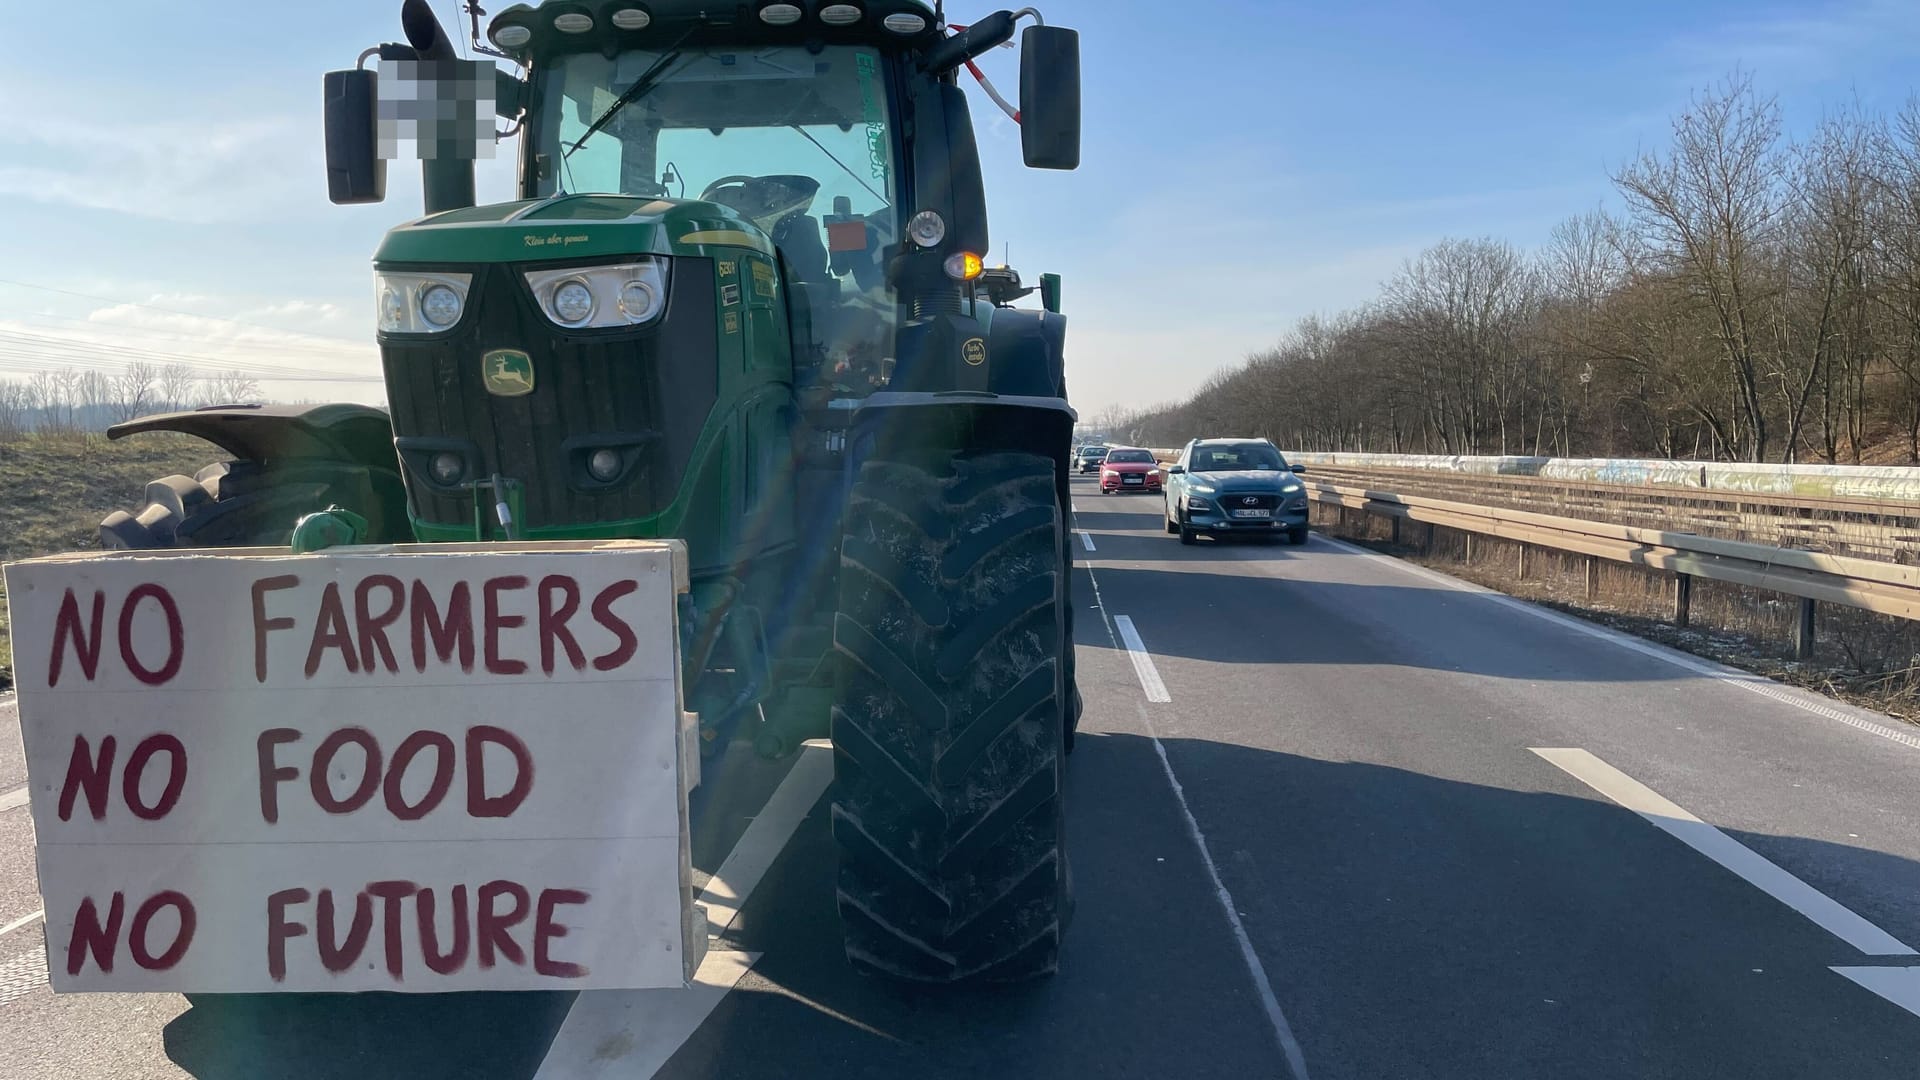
{"x":653,"y":387}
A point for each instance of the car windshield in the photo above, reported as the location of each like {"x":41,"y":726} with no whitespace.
{"x":1129,"y":457}
{"x":1236,"y":457}
{"x":1094,"y":452}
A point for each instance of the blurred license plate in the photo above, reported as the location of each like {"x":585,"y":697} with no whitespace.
{"x":1253,"y":513}
{"x":1133,"y":479}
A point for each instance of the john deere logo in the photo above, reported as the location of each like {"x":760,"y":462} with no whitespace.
{"x":507,"y":372}
{"x":974,"y":351}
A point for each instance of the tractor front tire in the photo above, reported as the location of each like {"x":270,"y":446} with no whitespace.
{"x":949,"y":738}
{"x":229,"y":504}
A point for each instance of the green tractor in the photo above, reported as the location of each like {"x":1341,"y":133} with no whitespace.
{"x":739,"y":302}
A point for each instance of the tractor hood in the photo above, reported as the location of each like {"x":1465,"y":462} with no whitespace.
{"x":571,"y":227}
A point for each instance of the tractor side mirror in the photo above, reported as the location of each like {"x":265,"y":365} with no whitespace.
{"x":1050,"y":292}
{"x":355,"y":172}
{"x":1050,"y":97}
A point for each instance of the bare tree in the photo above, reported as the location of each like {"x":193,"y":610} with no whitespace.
{"x":175,"y":387}
{"x":1711,"y":206}
{"x":133,"y":390}
{"x":14,"y":410}
{"x":229,"y":388}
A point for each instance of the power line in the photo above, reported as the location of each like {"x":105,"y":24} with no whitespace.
{"x":171,"y":311}
{"x":58,"y":345}
{"x":33,"y":364}
{"x":200,"y":339}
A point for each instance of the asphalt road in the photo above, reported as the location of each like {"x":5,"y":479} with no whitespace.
{"x":1332,"y":816}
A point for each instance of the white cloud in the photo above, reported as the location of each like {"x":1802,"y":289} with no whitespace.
{"x":218,"y":171}
{"x":254,"y":341}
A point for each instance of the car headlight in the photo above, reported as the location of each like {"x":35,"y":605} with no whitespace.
{"x":599,"y":297}
{"x":1201,"y":489}
{"x":419,"y":303}
{"x":1290,"y":489}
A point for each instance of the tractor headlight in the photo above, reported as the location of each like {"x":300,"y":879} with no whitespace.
{"x":440,"y":306}
{"x":927,"y":229}
{"x":604,"y":464}
{"x":448,"y":468}
{"x":572,"y":302}
{"x":419,"y":303}
{"x":598,"y":297}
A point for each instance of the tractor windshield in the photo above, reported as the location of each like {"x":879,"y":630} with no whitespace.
{"x":776,"y":132}
{"x":801,"y":142}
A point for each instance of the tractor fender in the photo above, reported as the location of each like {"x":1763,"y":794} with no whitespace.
{"x":1028,"y":350}
{"x":356,"y":434}
{"x":898,"y":423}
{"x":289,"y":461}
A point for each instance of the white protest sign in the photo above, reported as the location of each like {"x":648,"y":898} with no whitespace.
{"x":417,"y":768}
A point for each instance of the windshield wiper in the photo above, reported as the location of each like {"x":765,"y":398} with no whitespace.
{"x":640,"y":88}
{"x":807,"y":135}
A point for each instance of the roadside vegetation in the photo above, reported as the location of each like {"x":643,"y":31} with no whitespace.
{"x":1749,"y":297}
{"x":55,"y":488}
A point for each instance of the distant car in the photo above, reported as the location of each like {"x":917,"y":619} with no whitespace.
{"x":1129,"y":468}
{"x":1224,"y":487}
{"x":1090,"y":457}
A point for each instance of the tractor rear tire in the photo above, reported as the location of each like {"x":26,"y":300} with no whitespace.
{"x":950,"y":731}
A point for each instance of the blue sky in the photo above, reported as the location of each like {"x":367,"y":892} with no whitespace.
{"x":1246,"y":162}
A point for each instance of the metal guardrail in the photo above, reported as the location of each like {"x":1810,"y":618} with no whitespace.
{"x":1871,"y":585}
{"x":1873,"y":529}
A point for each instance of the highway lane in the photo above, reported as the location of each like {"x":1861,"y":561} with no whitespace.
{"x":1433,"y":898}
{"x":1362,"y":824}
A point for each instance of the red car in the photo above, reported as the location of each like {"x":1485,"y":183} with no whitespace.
{"x":1129,"y":468}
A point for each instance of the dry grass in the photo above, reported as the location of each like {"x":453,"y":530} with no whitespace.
{"x":54,"y":491}
{"x":1860,"y":657}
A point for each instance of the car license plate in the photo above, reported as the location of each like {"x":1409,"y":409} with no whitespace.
{"x":1253,"y":513}
{"x":1133,"y":479}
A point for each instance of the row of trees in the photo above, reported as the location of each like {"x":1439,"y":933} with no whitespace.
{"x":67,"y":402}
{"x":1756,"y":298}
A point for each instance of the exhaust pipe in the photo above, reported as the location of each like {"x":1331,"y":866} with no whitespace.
{"x":446,"y":184}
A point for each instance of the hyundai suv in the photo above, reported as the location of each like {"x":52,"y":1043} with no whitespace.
{"x":1222,"y":487}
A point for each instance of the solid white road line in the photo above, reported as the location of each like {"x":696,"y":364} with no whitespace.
{"x":767,"y":836}
{"x":1086,"y":539}
{"x":23,"y":920}
{"x":1118,"y":625}
{"x":1900,"y":985}
{"x":632,"y":1033}
{"x":1756,"y":870}
{"x":1805,"y":700}
{"x":1142,"y":661}
{"x":1282,"y":1031}
{"x":15,"y":798}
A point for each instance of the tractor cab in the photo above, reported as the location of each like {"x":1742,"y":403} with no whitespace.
{"x":729,"y":221}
